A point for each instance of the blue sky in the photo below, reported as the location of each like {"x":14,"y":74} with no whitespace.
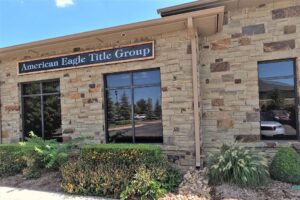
{"x":23,"y":21}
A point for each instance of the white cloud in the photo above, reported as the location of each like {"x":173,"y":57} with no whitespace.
{"x":64,"y":3}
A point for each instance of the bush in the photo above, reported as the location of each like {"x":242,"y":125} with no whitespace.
{"x":79,"y":177}
{"x":40,"y":154}
{"x":113,"y":169}
{"x":152,"y":182}
{"x":285,"y":166}
{"x":119,"y":154}
{"x":11,"y":162}
{"x":237,"y":165}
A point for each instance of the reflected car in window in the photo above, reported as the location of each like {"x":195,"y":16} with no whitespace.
{"x":269,"y":127}
{"x":140,"y":117}
{"x":281,"y":115}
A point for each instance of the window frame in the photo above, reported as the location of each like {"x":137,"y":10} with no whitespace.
{"x":41,"y":95}
{"x":296,"y":93}
{"x":131,"y":87}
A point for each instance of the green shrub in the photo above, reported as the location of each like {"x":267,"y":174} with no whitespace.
{"x":152,"y":182}
{"x":113,"y":169}
{"x":40,"y":154}
{"x":285,"y":166}
{"x":119,"y":154}
{"x":79,"y":177}
{"x":144,"y":185}
{"x":237,"y":165}
{"x":11,"y":162}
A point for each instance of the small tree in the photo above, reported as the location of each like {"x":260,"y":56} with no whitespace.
{"x":125,"y":107}
{"x":141,"y":106}
{"x":277,"y":99}
{"x":157,"y":109}
{"x":111,"y":110}
{"x":149,"y":109}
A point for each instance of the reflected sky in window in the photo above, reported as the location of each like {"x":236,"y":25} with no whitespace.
{"x":280,"y":72}
{"x":146,"y":77}
{"x":118,"y":80}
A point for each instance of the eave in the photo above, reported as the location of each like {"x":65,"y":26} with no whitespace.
{"x":207,"y":22}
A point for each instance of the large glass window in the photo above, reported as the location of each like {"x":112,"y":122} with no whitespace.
{"x":277,"y":99}
{"x":133,"y":107}
{"x":42,"y":109}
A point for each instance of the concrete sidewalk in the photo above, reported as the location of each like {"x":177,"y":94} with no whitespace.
{"x":9,"y":193}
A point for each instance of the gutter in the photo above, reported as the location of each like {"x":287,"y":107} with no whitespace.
{"x":192,"y":32}
{"x":0,"y":116}
{"x":191,"y":6}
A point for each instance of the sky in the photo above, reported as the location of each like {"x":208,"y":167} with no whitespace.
{"x":23,"y":21}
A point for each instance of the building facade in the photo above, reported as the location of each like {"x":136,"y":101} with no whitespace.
{"x":204,"y":74}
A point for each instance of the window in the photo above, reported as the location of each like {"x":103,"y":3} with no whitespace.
{"x":41,"y":109}
{"x":277,"y":99}
{"x":133,"y":107}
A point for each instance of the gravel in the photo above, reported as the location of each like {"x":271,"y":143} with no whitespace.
{"x":195,"y":187}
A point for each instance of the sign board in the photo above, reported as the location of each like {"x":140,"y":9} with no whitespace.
{"x":128,"y":53}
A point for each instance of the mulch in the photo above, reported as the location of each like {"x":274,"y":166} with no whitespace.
{"x":49,"y":181}
{"x":193,"y":187}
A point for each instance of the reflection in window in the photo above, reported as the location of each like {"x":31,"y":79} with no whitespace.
{"x":118,"y":80}
{"x":32,"y":115}
{"x":42,"y":109}
{"x":277,"y":99}
{"x":147,"y":114}
{"x":134,"y":108}
{"x":119,"y":115}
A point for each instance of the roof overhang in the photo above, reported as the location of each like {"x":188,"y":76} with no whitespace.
{"x":206,"y":4}
{"x":207,"y":22}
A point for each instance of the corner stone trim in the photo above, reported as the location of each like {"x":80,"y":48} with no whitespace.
{"x":279,"y":46}
{"x":252,"y":117}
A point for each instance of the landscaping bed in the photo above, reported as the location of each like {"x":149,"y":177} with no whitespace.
{"x":193,"y":187}
{"x":131,"y":171}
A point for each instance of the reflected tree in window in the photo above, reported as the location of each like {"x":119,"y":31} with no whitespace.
{"x":124,"y":108}
{"x":133,"y":107}
{"x":140,"y":106}
{"x":157,"y":109}
{"x":149,"y":109}
{"x":42,"y":109}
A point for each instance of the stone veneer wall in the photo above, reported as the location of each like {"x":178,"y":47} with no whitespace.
{"x":228,"y":82}
{"x":82,"y":92}
{"x":229,"y":71}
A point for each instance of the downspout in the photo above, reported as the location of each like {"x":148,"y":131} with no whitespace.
{"x":0,"y":115}
{"x":192,"y":33}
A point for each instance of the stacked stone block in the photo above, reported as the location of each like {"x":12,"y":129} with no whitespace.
{"x":82,"y":92}
{"x":229,"y":71}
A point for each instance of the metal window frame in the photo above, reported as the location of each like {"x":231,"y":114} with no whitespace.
{"x":296,"y":87}
{"x":41,"y":95}
{"x":131,"y":87}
